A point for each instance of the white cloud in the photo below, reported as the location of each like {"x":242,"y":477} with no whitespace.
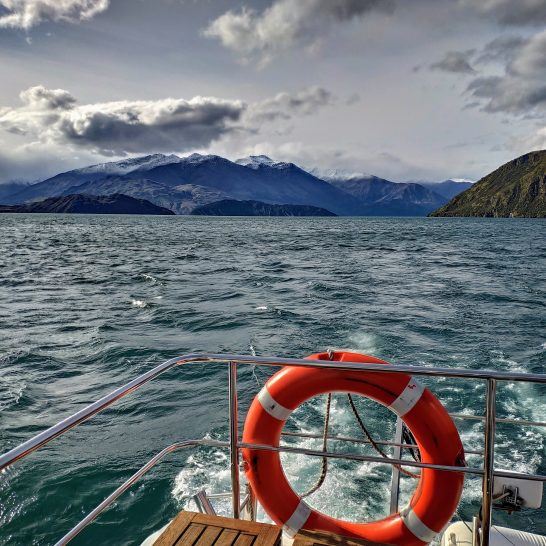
{"x":53,"y":116}
{"x":123,"y":126}
{"x":262,"y":35}
{"x":286,"y":22}
{"x":41,"y":98}
{"x":26,"y":14}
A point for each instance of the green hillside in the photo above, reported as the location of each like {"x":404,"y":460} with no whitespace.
{"x":517,"y":189}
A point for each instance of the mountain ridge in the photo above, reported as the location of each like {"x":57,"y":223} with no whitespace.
{"x":448,"y":188}
{"x":184,"y":183}
{"x":89,"y":204}
{"x":232,"y":207}
{"x":381,"y":197}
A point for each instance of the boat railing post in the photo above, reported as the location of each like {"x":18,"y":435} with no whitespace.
{"x":395,"y":479}
{"x":203,"y":503}
{"x":488,"y":460}
{"x":234,"y":438}
{"x":475,"y":532}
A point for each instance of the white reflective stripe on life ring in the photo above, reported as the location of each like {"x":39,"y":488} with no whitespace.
{"x":272,"y":407}
{"x":408,"y":398}
{"x":416,"y":526}
{"x":297,"y":520}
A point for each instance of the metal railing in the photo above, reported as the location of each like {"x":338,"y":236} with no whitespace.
{"x":491,"y":377}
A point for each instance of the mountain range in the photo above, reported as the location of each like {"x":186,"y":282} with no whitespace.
{"x":183,"y":183}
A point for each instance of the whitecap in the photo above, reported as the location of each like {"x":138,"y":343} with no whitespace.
{"x":11,"y":392}
{"x":139,"y":303}
{"x":261,"y":308}
{"x":150,"y":278}
{"x":363,"y":341}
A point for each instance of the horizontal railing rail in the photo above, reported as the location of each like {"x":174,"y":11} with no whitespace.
{"x":490,"y":420}
{"x":89,"y":411}
{"x":504,"y":420}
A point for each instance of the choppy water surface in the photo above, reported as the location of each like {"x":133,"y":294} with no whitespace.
{"x":89,"y":302}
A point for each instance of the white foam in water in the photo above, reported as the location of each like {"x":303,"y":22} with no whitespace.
{"x":364,"y":487}
{"x":361,"y":491}
{"x":11,"y":391}
{"x":363,"y":341}
{"x":344,"y":493}
{"x":261,"y":308}
{"x":139,"y":303}
{"x":150,"y":278}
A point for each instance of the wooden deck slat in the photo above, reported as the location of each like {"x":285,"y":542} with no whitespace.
{"x":244,"y":540}
{"x":227,"y":537}
{"x":209,"y":536}
{"x":251,"y":527}
{"x":175,"y":529}
{"x":191,"y":534}
{"x":268,"y":535}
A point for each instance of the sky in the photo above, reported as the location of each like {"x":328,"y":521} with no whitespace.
{"x":405,"y":90}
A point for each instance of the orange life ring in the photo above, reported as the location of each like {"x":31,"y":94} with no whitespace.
{"x":438,"y":492}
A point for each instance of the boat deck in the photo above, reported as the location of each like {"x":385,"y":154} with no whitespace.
{"x":196,"y":529}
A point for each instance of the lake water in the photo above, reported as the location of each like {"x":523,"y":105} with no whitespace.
{"x":89,"y":302}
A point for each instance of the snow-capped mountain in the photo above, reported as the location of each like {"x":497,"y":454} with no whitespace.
{"x":59,"y":183}
{"x":129,"y":165}
{"x":257,"y":161}
{"x":338,"y":174}
{"x":183,"y":183}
